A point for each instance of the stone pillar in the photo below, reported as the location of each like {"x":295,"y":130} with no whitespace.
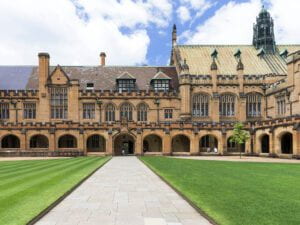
{"x":272,"y":143}
{"x":296,"y":142}
{"x":23,"y":144}
{"x":139,"y":145}
{"x":214,"y":109}
{"x":52,"y":140}
{"x":194,"y":145}
{"x":80,"y":146}
{"x":167,"y":144}
{"x":109,"y":144}
{"x":241,"y":107}
{"x":224,"y":142}
{"x":73,"y":101}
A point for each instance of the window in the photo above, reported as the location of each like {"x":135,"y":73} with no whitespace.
{"x":29,"y":111}
{"x":142,"y":112}
{"x":59,"y":103}
{"x":168,"y":113}
{"x":110,"y":113}
{"x":253,"y":105}
{"x":4,"y":111}
{"x":126,"y":85}
{"x":161,"y":85}
{"x":200,"y":105}
{"x":280,"y":105}
{"x":90,"y":86}
{"x":88,"y":111}
{"x":126,"y":111}
{"x":227,"y":105}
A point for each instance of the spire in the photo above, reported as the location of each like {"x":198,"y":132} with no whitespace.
{"x":263,"y":32}
{"x":174,"y":35}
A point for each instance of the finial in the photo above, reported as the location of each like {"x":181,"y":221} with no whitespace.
{"x":240,"y":65}
{"x":214,"y":65}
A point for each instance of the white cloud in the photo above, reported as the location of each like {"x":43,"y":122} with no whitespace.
{"x":31,"y":26}
{"x":183,"y":14}
{"x":233,"y":23}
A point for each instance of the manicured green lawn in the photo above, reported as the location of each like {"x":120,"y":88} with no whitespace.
{"x":28,"y":187}
{"x":236,"y":192}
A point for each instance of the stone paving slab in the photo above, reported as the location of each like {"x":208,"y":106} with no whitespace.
{"x":123,"y":192}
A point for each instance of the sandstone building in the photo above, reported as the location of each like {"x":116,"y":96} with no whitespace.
{"x":187,"y":108}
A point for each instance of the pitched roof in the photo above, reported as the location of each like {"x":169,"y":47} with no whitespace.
{"x":126,"y":75}
{"x":104,"y":77}
{"x":199,"y":59}
{"x":161,"y":76}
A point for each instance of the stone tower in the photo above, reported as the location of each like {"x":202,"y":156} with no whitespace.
{"x":263,"y":32}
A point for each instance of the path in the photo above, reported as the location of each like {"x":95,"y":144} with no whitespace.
{"x":123,"y":192}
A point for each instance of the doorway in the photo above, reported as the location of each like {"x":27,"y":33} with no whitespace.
{"x":124,"y":145}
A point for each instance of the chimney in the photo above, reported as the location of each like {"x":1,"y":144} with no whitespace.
{"x":43,"y":70}
{"x":102,"y":58}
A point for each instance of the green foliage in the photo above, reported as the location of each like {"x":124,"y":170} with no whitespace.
{"x":235,"y":193}
{"x":240,"y":136}
{"x":29,"y":186}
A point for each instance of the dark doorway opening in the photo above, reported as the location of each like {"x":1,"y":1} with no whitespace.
{"x":124,"y":145}
{"x":287,"y":143}
{"x":265,"y":144}
{"x":95,"y":143}
{"x":10,"y":141}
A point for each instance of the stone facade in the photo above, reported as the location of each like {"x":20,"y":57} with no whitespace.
{"x":187,"y":108}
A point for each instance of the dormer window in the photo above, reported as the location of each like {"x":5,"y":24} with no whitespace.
{"x":160,"y":82}
{"x":126,"y":82}
{"x":90,"y":86}
{"x":161,"y":85}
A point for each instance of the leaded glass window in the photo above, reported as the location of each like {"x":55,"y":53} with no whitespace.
{"x":126,"y":85}
{"x":281,"y":105}
{"x":59,"y":103}
{"x":142,"y":111}
{"x":227,"y":105}
{"x":88,"y":110}
{"x":110,"y":113}
{"x":253,"y":105}
{"x":29,"y":111}
{"x":126,"y":111}
{"x":168,"y":113}
{"x":4,"y":111}
{"x":200,"y":105}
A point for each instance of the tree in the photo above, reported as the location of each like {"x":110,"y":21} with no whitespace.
{"x":240,"y":136}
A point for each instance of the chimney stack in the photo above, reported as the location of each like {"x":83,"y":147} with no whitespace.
{"x":102,"y":58}
{"x":43,"y":70}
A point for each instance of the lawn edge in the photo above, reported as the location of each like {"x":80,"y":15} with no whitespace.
{"x":61,"y":198}
{"x":199,"y":210}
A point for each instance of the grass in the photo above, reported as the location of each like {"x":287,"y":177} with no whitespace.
{"x":236,"y":192}
{"x":28,"y":187}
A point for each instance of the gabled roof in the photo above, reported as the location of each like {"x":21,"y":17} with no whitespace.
{"x":125,"y":76}
{"x":199,"y":59}
{"x":161,"y":76}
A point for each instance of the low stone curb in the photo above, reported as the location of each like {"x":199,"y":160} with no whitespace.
{"x":61,"y":198}
{"x":200,"y":211}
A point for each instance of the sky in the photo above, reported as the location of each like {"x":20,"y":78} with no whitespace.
{"x":131,"y":32}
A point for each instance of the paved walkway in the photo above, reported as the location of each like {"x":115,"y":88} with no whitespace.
{"x":123,"y":192}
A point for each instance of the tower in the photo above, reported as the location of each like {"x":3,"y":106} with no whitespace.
{"x":263,"y":32}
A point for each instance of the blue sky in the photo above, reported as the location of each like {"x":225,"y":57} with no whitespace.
{"x":131,"y":32}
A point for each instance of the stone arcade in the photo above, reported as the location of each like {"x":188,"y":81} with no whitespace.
{"x":187,"y":108}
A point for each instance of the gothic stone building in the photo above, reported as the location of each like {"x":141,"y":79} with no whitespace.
{"x":187,"y":108}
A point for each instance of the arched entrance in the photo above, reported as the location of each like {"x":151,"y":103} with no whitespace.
{"x":152,"y":143}
{"x":124,"y":143}
{"x":39,"y":141}
{"x":95,"y":143}
{"x":208,"y":143}
{"x":265,"y":143}
{"x":287,"y":143}
{"x":234,"y":147}
{"x":180,"y":143}
{"x":67,"y":141}
{"x":10,"y":141}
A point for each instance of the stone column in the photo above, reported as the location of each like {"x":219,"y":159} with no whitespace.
{"x":139,"y":145}
{"x":109,"y":144}
{"x":194,"y":145}
{"x":224,"y":142}
{"x":167,"y":146}
{"x":214,"y":109}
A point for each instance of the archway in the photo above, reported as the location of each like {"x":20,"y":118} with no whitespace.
{"x":208,"y":143}
{"x":265,"y":143}
{"x":152,"y":143}
{"x":287,"y":143}
{"x":39,"y":141}
{"x":124,"y":143}
{"x":180,"y":143}
{"x":67,"y":141}
{"x":95,"y":143}
{"x":10,"y":141}
{"x":234,"y":147}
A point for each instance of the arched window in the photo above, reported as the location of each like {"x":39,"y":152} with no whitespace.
{"x":142,"y":111}
{"x":253,"y":105}
{"x":10,"y":141}
{"x":39,"y":141}
{"x":227,"y":105}
{"x":126,"y":111}
{"x":110,"y":113}
{"x":200,"y":105}
{"x":67,"y":141}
